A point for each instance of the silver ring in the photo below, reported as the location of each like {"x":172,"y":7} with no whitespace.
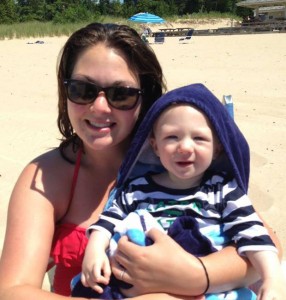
{"x":122,"y":274}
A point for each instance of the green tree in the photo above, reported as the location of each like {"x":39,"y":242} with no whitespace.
{"x":117,"y":8}
{"x":182,"y":6}
{"x":73,"y":11}
{"x":162,"y":8}
{"x":158,"y":7}
{"x":7,"y":12}
{"x":128,"y":9}
{"x":31,"y":10}
{"x":172,"y":8}
{"x":86,"y":10}
{"x":104,"y":7}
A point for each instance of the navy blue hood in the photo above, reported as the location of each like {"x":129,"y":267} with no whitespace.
{"x":236,"y":157}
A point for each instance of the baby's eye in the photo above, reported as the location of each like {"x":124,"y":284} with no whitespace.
{"x":171,"y":137}
{"x":199,"y":138}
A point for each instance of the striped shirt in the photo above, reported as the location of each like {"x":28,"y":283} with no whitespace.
{"x":223,"y":212}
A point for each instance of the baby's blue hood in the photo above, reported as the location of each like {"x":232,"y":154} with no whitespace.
{"x":140,"y":157}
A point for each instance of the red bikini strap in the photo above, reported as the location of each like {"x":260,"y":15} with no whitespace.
{"x":74,"y":180}
{"x":75,"y":176}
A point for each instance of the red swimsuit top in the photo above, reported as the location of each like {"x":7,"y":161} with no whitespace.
{"x":68,"y":246}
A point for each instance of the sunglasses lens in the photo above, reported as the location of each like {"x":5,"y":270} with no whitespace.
{"x":81,"y":92}
{"x":123,"y":98}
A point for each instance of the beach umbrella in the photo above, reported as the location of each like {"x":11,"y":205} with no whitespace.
{"x":146,"y":18}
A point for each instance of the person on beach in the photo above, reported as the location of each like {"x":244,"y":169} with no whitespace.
{"x":200,"y":203}
{"x":107,"y":80}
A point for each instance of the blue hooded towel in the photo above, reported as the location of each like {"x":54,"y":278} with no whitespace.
{"x":141,"y":159}
{"x":237,"y":157}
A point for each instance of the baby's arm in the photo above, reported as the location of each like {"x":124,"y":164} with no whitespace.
{"x":268,"y":266}
{"x":95,"y":267}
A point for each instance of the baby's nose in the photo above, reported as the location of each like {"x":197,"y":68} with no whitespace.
{"x":186,"y":146}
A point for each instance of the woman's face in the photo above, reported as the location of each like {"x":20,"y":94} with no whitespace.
{"x":99,"y":125}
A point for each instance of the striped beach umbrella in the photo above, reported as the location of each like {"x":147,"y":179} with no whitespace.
{"x":146,"y":18}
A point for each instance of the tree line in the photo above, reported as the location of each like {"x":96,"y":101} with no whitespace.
{"x":72,"y":11}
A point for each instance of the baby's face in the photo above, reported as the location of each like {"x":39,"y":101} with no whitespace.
{"x":184,"y":141}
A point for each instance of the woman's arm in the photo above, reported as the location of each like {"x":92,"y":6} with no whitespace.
{"x":161,"y":267}
{"x":29,"y":233}
{"x":166,"y":267}
{"x":273,"y":236}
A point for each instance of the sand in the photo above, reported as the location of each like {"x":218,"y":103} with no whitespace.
{"x":251,"y":68}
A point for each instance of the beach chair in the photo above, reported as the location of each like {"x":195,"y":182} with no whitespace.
{"x":228,"y":103}
{"x":144,"y":38}
{"x":189,"y":35}
{"x":159,"y":37}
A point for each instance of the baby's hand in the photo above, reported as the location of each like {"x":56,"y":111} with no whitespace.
{"x":96,"y":272}
{"x":95,"y":266}
{"x":272,"y":289}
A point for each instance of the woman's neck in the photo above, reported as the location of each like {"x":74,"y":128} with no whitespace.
{"x":107,"y":160}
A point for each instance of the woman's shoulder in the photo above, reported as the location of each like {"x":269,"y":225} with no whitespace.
{"x":50,"y":161}
{"x":48,"y":176}
{"x":51,"y":154}
{"x":47,"y":172}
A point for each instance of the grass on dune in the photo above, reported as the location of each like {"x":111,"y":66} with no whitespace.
{"x":36,"y":30}
{"x":41,"y":29}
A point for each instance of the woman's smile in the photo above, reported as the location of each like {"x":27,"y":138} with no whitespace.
{"x":100,"y":125}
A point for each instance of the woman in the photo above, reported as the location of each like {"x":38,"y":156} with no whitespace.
{"x":107,"y":79}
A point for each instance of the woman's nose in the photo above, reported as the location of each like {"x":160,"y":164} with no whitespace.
{"x":100,"y":103}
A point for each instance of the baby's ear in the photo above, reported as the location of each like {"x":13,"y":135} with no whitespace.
{"x":217,"y":150}
{"x":153,"y":144}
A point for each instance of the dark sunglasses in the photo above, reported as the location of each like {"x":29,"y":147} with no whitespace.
{"x":119,"y":97}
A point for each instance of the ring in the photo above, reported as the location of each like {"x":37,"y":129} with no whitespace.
{"x":122,"y":274}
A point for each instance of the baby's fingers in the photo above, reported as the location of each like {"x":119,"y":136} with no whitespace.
{"x":90,"y":282}
{"x":84,"y":280}
{"x":106,"y":273}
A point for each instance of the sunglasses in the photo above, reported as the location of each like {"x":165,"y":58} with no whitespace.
{"x":119,"y":97}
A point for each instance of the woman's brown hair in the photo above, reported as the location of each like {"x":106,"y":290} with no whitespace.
{"x":139,"y":56}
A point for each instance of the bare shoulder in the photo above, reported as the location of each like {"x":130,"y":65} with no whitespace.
{"x":49,"y":159}
{"x":39,"y":198}
{"x":47,"y":177}
{"x":47,"y":168}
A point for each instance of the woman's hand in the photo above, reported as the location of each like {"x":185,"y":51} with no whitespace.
{"x":161,"y":267}
{"x":166,"y":267}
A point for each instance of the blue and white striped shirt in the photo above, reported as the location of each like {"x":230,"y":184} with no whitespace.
{"x":223,"y":212}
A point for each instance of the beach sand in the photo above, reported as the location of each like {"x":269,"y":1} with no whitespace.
{"x":251,"y":68}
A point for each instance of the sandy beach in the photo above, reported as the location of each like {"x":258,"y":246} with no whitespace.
{"x":251,"y":68}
